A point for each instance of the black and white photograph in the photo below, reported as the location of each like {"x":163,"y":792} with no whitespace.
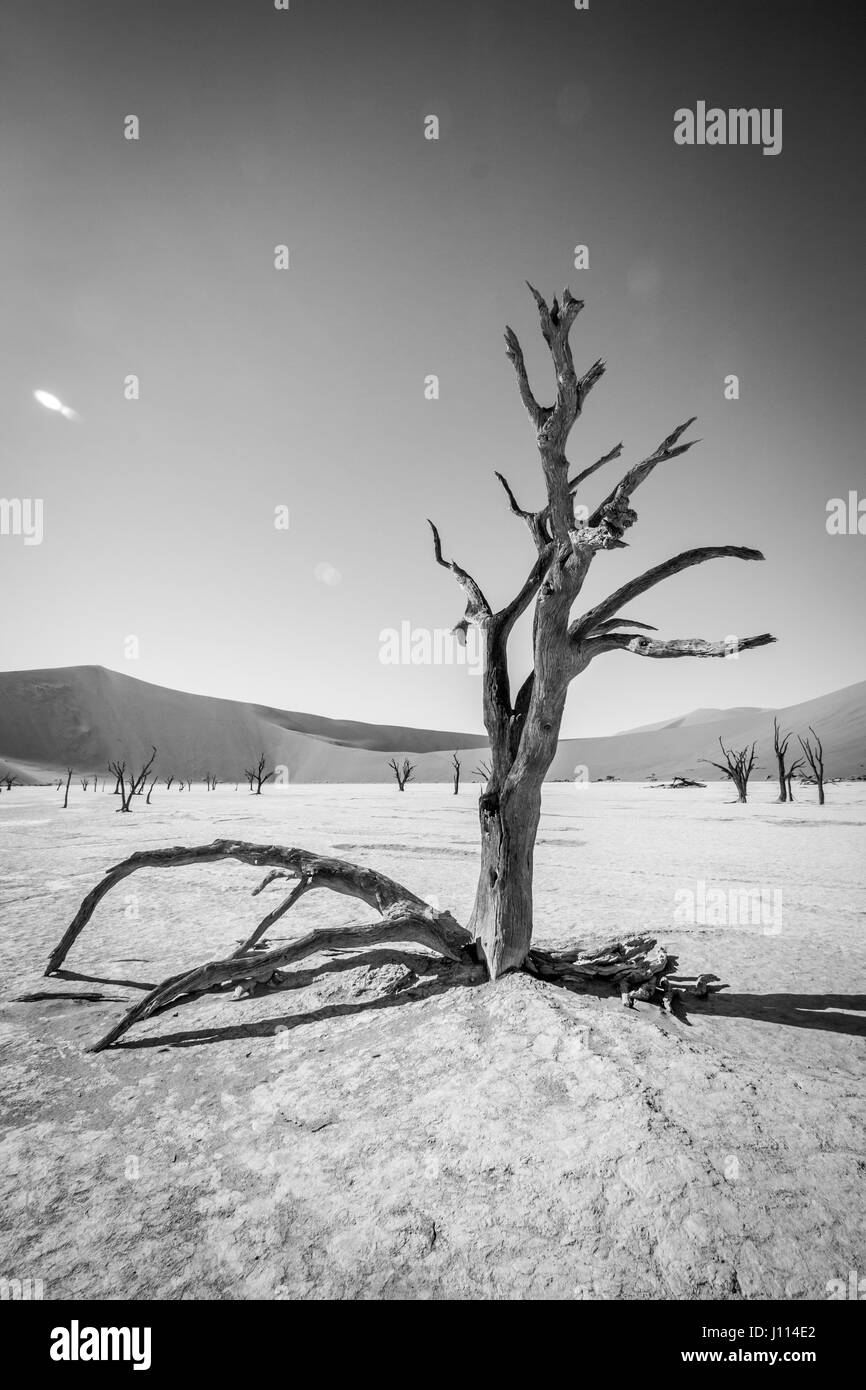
{"x":432,"y":668}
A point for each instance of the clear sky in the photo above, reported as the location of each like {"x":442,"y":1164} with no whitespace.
{"x":305,"y":387}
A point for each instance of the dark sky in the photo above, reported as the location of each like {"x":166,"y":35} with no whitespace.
{"x":306,"y":387}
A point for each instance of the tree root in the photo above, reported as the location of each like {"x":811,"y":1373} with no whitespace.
{"x":641,"y":968}
{"x":633,"y":958}
{"x":637,"y":964}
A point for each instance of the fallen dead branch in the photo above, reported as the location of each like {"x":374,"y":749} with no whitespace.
{"x":632,"y":964}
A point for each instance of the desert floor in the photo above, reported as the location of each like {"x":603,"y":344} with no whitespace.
{"x":388,"y":1128}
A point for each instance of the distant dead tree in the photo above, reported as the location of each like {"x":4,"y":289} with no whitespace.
{"x":150,"y":789}
{"x":738,"y":766}
{"x":136,"y":780}
{"x":780,"y":746}
{"x":168,"y":782}
{"x":85,"y":782}
{"x":455,"y":762}
{"x":68,"y":780}
{"x":213,"y":782}
{"x":258,"y":775}
{"x":789,"y":775}
{"x":207,"y":780}
{"x":815,"y":757}
{"x":59,"y":783}
{"x":404,"y":773}
{"x":483,"y":770}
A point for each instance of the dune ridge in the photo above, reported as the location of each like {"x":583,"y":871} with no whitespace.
{"x":83,"y":716}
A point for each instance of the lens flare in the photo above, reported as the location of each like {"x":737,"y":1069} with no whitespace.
{"x":51,"y":402}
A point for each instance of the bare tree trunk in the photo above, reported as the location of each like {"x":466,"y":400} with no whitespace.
{"x":501,"y":921}
{"x":780,"y":747}
{"x":68,"y":780}
{"x":814,"y":753}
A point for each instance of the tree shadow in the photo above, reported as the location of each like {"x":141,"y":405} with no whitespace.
{"x":47,"y":996}
{"x":828,"y":1013}
{"x":429,"y":976}
{"x":147,"y":986}
{"x":819,"y":1011}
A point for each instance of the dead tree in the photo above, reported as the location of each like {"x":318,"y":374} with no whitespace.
{"x":404,"y":773}
{"x":522,"y":728}
{"x":737,"y":766}
{"x":635,"y":966}
{"x":136,"y":780}
{"x":455,"y":763}
{"x":168,"y":782}
{"x":483,"y":770}
{"x":9,"y":779}
{"x":112,"y":767}
{"x":85,"y":782}
{"x":258,"y":775}
{"x":815,"y":756}
{"x":150,"y":790}
{"x":780,"y":746}
{"x":789,"y":776}
{"x":68,"y":780}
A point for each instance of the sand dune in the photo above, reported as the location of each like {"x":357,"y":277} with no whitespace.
{"x":82,"y":716}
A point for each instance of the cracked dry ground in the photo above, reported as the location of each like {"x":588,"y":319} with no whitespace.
{"x":394,"y":1128}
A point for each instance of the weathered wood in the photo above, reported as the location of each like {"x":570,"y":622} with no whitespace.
{"x":632,"y":959}
{"x":375,"y":889}
{"x":398,"y":924}
{"x":524,"y":733}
